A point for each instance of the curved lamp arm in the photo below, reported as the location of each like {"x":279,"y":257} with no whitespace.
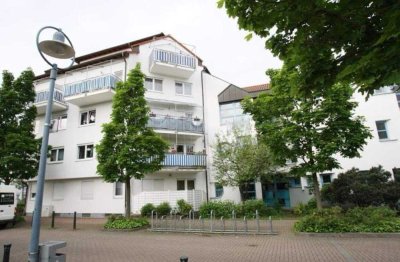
{"x":41,"y":53}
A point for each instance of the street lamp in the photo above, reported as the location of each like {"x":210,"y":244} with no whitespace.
{"x":58,"y":49}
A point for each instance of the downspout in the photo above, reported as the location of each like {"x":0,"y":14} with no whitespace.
{"x":204,"y":134}
{"x":123,"y":56}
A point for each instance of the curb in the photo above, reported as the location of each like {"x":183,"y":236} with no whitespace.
{"x":350,"y":235}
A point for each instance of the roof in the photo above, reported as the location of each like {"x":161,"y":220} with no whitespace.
{"x":117,"y":51}
{"x":233,"y":93}
{"x":257,"y":88}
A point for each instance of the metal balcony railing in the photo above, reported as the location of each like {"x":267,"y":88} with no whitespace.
{"x":173,"y":58}
{"x":43,"y":96}
{"x":91,"y":84}
{"x":181,"y":124}
{"x":184,"y":160}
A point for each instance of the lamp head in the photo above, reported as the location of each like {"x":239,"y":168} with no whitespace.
{"x":57,"y":48}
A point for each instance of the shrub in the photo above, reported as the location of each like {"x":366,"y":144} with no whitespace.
{"x":120,"y":222}
{"x":369,"y":219}
{"x":220,"y":209}
{"x":163,"y":209}
{"x":305,"y":209}
{"x":146,"y":210}
{"x":183,"y":207}
{"x":249,"y":207}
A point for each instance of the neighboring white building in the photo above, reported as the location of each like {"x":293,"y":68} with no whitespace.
{"x":382,"y":115}
{"x":182,"y":96}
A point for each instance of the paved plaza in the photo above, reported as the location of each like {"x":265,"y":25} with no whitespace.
{"x":90,"y":243}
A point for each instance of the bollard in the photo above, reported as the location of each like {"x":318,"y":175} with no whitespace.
{"x":152,"y":222}
{"x":190,"y":220}
{"x":53,"y":214}
{"x":258,"y":221}
{"x":74,"y":226}
{"x":184,"y":259}
{"x":222,"y":224}
{"x":270,"y":224}
{"x":211,"y":221}
{"x":234,"y":221}
{"x":6,"y":255}
{"x":245,"y":223}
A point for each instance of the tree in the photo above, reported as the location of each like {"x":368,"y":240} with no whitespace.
{"x":129,"y":149}
{"x":19,"y":150}
{"x":307,"y":130}
{"x":329,"y":41}
{"x":363,"y":188}
{"x":240,"y":159}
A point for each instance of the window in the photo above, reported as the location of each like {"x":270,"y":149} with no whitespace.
{"x":59,"y":123}
{"x":85,"y":151}
{"x":6,"y":199}
{"x":33,"y":191}
{"x":187,"y":184}
{"x":58,"y":191}
{"x":183,"y":149}
{"x":183,"y":88}
{"x":326,"y":178}
{"x":295,"y":182}
{"x":152,"y":84}
{"x":87,"y":190}
{"x":382,"y":130}
{"x":249,"y":190}
{"x":219,"y":190}
{"x":88,"y":117}
{"x":232,"y":114}
{"x":57,"y":155}
{"x":118,"y":189}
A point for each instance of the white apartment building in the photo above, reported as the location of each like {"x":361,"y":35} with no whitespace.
{"x":382,"y":115}
{"x":182,"y":96}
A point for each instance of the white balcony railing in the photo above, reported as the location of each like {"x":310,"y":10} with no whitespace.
{"x":173,"y":58}
{"x":193,"y":197}
{"x":184,"y":160}
{"x":91,"y":85}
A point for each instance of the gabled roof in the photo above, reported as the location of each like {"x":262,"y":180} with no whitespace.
{"x":233,"y":93}
{"x":117,"y":51}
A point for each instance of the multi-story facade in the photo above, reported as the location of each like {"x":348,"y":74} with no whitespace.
{"x":180,"y":93}
{"x":382,"y":115}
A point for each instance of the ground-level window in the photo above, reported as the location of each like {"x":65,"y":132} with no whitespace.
{"x":187,"y":184}
{"x":85,"y":151}
{"x":219,"y":190}
{"x":57,"y":155}
{"x":118,"y":189}
{"x":381,"y":127}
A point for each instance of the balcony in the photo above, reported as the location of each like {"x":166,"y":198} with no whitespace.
{"x":173,"y":64}
{"x":91,"y":91}
{"x":178,"y":124}
{"x":41,"y":101}
{"x":184,"y":160}
{"x":193,"y":197}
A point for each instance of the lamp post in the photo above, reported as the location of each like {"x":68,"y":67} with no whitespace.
{"x":58,"y":49}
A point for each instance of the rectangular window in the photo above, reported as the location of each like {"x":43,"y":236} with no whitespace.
{"x":88,"y":117}
{"x":33,"y":191}
{"x":382,"y":129}
{"x":87,"y":190}
{"x":219,"y":190}
{"x":6,"y":199}
{"x":190,"y":184}
{"x":183,"y":88}
{"x":57,"y":155}
{"x":118,"y":189}
{"x":59,"y":123}
{"x":180,"y":184}
{"x":232,"y":114}
{"x":326,"y":178}
{"x":85,"y":151}
{"x":152,"y":84}
{"x":58,"y":191}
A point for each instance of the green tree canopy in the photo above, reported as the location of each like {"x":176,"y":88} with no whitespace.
{"x":129,"y":149}
{"x":308,"y":130}
{"x":239,"y":159}
{"x":19,"y":150}
{"x":328,"y":40}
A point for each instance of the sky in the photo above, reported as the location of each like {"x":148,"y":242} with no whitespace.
{"x":94,"y":25}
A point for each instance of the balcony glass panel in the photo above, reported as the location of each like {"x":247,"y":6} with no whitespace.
{"x":43,"y":96}
{"x":91,"y":85}
{"x":181,"y":124}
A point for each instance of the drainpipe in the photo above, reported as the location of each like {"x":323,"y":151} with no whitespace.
{"x":204,"y":134}
{"x":123,"y":56}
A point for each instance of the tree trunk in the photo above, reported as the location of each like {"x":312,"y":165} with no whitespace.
{"x":128,"y":197}
{"x":317,"y":192}
{"x":25,"y":185}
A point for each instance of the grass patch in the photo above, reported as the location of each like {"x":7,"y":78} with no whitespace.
{"x":123,"y":223}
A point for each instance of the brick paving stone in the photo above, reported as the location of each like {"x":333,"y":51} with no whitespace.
{"x":90,"y":243}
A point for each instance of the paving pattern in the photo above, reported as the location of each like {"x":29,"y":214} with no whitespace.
{"x":90,"y":243}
